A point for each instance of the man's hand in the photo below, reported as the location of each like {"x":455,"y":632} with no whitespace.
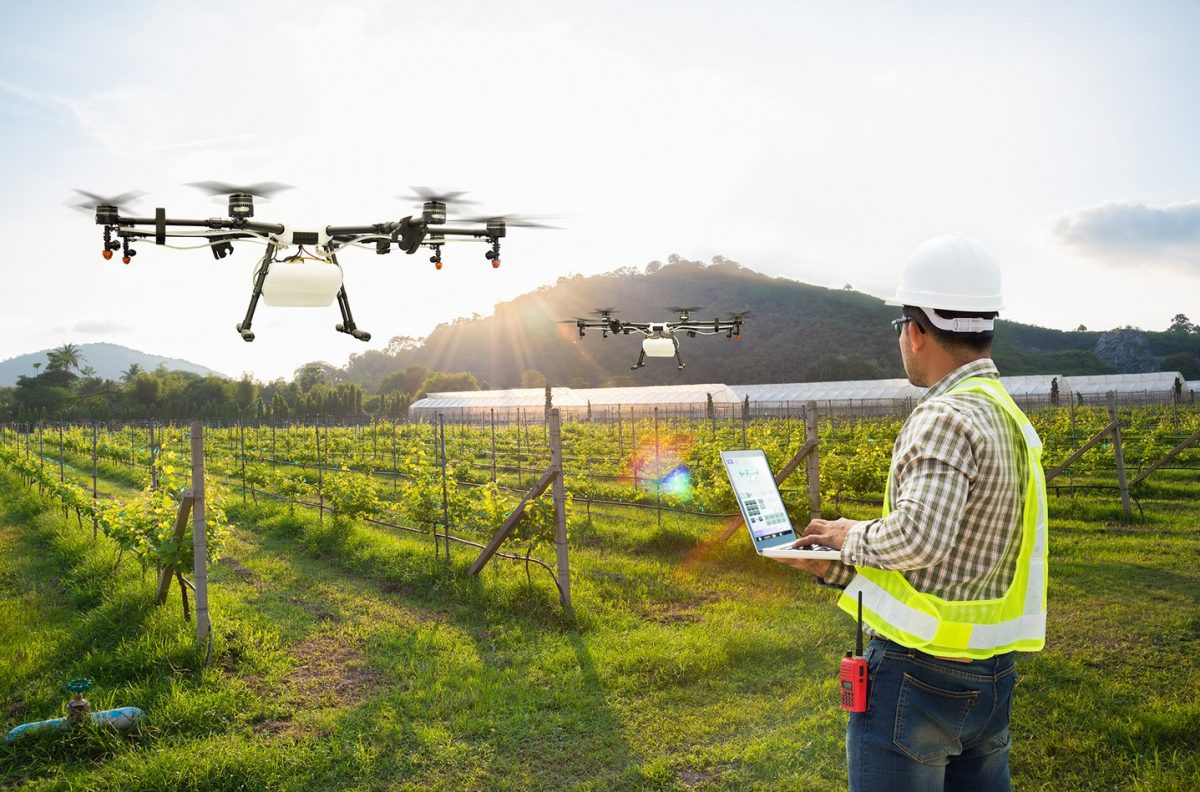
{"x":815,"y":566}
{"x":831,"y":533}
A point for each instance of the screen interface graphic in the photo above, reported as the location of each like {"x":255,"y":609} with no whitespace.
{"x":759,"y":497}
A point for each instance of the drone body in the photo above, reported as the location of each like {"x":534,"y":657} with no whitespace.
{"x":661,"y":338}
{"x":311,"y":276}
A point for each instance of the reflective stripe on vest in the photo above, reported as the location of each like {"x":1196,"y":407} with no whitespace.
{"x":965,"y":628}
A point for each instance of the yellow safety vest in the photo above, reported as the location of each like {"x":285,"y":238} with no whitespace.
{"x":975,"y":629}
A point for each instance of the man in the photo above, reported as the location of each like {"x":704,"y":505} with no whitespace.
{"x":953,"y":575}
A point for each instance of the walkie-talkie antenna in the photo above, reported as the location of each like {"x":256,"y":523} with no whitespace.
{"x":858,"y":649}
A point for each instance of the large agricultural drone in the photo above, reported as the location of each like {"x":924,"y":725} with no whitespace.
{"x":311,"y":276}
{"x":660,"y":337}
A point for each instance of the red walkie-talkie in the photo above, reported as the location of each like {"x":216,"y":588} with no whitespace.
{"x":853,"y":676}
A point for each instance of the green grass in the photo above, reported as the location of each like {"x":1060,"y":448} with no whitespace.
{"x":353,"y":659}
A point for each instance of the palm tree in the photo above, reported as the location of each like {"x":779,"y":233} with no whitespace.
{"x":66,"y":357}
{"x":128,"y":374}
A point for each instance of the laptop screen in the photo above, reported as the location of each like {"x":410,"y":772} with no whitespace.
{"x":757,"y":494}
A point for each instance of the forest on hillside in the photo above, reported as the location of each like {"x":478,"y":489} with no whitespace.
{"x":795,"y":332}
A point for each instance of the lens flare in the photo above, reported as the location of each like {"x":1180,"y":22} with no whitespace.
{"x":679,"y":484}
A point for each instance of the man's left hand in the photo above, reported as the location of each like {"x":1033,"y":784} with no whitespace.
{"x":830,"y":533}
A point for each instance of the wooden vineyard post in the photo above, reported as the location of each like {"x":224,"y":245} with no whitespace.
{"x":493,"y":445}
{"x":95,"y":472}
{"x":745,"y":420}
{"x":445,"y":492}
{"x":552,"y":476}
{"x":620,"y":436}
{"x":395,"y":469}
{"x":1122,"y":481}
{"x":657,"y":472}
{"x":242,"y":456}
{"x":814,"y":462}
{"x":62,"y":473}
{"x":519,"y":482}
{"x":168,"y":572}
{"x":153,"y":468}
{"x":560,"y":508}
{"x":199,"y":537}
{"x":320,"y":474}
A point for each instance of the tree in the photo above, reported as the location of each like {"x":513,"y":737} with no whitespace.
{"x":1181,"y":324}
{"x":1081,"y":329}
{"x":532,"y":378}
{"x":406,"y":380}
{"x":65,"y":357}
{"x":400,"y":344}
{"x":653,"y":267}
{"x":147,"y":389}
{"x":310,"y":375}
{"x":443,"y":382}
{"x":128,"y":374}
{"x":246,"y":391}
{"x":1185,"y":364}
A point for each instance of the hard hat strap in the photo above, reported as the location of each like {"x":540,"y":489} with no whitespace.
{"x":970,"y":324}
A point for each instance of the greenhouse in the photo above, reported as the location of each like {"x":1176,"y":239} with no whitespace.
{"x":868,"y":396}
{"x":1149,"y":388}
{"x":602,"y":403}
{"x":851,"y":397}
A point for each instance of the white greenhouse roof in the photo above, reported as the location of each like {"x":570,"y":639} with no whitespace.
{"x":533,"y":398}
{"x":1099,"y":384}
{"x":655,"y":394}
{"x":856,"y":390}
{"x":850,"y":391}
{"x":1033,"y":384}
{"x":1192,"y":385}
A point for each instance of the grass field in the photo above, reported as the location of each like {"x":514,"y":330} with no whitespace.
{"x":354,"y":660}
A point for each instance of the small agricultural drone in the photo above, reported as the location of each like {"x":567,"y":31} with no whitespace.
{"x":660,"y":337}
{"x":302,"y":279}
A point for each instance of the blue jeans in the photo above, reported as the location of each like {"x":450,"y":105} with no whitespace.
{"x":931,"y":724}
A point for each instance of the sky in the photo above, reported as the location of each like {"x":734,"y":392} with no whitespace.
{"x":815,"y":141}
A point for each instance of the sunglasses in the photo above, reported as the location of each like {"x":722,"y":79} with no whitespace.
{"x":903,"y":320}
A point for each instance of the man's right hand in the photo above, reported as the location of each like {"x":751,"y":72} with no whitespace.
{"x":814,"y":566}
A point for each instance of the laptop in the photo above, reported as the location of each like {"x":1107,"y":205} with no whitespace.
{"x":762,"y":508}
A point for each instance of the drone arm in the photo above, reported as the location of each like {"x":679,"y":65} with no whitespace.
{"x":212,"y":222}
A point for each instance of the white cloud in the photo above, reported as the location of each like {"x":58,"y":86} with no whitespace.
{"x":1135,"y":231}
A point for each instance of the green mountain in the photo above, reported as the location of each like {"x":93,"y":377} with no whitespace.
{"x":109,"y":360}
{"x":795,"y":332}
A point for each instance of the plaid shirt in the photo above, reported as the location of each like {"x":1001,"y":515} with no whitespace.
{"x":959,"y":469}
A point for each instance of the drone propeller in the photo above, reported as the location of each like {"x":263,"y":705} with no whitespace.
{"x":426,"y":194}
{"x":92,"y":200}
{"x":514,"y":220}
{"x":262,"y":190}
{"x":605,"y":312}
{"x":687,"y":310}
{"x":737,"y":316}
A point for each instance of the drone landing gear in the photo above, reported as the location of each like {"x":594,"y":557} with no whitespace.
{"x":243,"y":327}
{"x":347,"y":325}
{"x":641,"y":361}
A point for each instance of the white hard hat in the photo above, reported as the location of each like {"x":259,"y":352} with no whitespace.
{"x":951,"y":272}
